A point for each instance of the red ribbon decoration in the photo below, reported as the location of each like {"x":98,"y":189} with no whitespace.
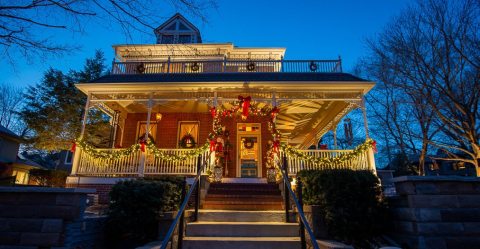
{"x":142,"y":145}
{"x":212,"y":145}
{"x":245,"y":103}
{"x":276,"y":145}
{"x":74,"y":147}
{"x":213,"y":111}
{"x":274,"y":112}
{"x":374,"y":146}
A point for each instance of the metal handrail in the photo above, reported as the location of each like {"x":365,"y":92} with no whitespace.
{"x":299,"y":208}
{"x":181,"y":211}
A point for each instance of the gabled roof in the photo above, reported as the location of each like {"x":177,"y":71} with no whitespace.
{"x":9,"y":134}
{"x":183,"y":20}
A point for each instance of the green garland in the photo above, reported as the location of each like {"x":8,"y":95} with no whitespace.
{"x":289,"y":150}
{"x":118,"y":154}
{"x":169,"y":157}
{"x":106,"y":154}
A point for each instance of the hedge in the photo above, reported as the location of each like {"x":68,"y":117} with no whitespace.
{"x":351,"y":203}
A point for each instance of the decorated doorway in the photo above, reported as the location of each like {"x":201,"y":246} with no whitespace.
{"x":249,"y":159}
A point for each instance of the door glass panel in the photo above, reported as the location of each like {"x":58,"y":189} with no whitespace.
{"x":249,"y":156}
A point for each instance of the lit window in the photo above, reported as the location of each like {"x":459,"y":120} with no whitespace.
{"x":188,"y":134}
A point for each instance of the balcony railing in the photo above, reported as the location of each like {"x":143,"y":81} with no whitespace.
{"x":227,"y":66}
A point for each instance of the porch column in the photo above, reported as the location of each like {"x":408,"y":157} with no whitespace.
{"x":78,"y":151}
{"x":143,"y":155}
{"x":370,"y":156}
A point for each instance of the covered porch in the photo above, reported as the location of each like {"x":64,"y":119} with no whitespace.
{"x":149,"y":122}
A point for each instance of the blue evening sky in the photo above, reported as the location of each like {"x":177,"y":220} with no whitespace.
{"x":309,"y":29}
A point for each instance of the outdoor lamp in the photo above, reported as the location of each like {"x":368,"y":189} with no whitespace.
{"x":158,"y":116}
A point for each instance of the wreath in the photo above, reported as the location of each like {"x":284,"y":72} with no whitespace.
{"x":251,"y":66}
{"x":141,"y":68}
{"x":187,"y":141}
{"x":313,"y":66}
{"x":195,"y":67}
{"x":248,"y":143}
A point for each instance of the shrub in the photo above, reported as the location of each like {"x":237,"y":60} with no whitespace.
{"x":351,"y":203}
{"x":48,"y":177}
{"x":134,"y":209}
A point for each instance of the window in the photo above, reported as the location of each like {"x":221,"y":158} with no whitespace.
{"x":188,"y":131}
{"x":21,"y":177}
{"x":167,"y":39}
{"x":68,"y":157}
{"x":142,"y":127}
{"x":185,"y":39}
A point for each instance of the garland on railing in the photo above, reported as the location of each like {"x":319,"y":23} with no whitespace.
{"x":362,"y":148}
{"x":105,"y":154}
{"x":172,"y":157}
{"x":118,"y":154}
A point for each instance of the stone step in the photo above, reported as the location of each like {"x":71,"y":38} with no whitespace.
{"x":241,"y":242}
{"x":243,"y":192}
{"x":218,"y":205}
{"x":241,"y":216}
{"x":244,"y":186}
{"x":244,"y":197}
{"x":241,"y":229}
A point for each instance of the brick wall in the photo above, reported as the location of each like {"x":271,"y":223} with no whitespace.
{"x":437,"y":212}
{"x":167,"y":131}
{"x":102,"y":190}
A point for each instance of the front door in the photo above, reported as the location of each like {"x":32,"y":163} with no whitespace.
{"x":249,"y":163}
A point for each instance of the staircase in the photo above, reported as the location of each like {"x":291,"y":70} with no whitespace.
{"x":243,"y":196}
{"x":242,"y":215}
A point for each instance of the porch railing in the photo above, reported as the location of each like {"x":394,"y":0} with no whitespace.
{"x":91,"y":166}
{"x":227,"y":66}
{"x":131,"y":165}
{"x":295,"y":164}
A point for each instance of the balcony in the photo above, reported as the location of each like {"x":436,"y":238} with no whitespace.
{"x":227,"y":66}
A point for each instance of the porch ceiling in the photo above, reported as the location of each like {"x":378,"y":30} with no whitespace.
{"x":307,"y":109}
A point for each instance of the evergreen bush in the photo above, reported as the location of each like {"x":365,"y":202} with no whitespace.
{"x":351,"y":203}
{"x":135,"y":207}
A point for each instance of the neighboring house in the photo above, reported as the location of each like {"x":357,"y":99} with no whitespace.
{"x":11,"y":163}
{"x":192,"y":97}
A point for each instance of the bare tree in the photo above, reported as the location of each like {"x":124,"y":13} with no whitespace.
{"x":432,"y":53}
{"x":29,"y":27}
{"x":11,"y":102}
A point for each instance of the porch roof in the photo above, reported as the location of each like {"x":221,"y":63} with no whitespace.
{"x":228,"y":77}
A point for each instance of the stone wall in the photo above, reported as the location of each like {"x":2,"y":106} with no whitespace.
{"x":437,"y":212}
{"x":36,"y":217}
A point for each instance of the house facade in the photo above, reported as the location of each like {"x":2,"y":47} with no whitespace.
{"x":241,"y":109}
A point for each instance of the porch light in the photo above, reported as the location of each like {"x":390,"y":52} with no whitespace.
{"x":158,"y":116}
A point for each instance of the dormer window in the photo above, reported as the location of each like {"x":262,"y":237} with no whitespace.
{"x":179,"y":30}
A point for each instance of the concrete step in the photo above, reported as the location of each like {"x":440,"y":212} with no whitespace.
{"x":244,"y":197}
{"x":242,"y":229}
{"x":222,"y":206}
{"x":241,"y":216}
{"x":241,"y":242}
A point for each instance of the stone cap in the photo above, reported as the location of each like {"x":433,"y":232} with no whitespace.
{"x":436,"y":179}
{"x":46,"y":190}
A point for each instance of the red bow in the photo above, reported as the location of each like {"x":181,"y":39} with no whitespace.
{"x":245,"y":103}
{"x":374,"y":146}
{"x":213,"y":111}
{"x":276,"y":145}
{"x":74,"y":147}
{"x":142,"y":145}
{"x":212,"y":145}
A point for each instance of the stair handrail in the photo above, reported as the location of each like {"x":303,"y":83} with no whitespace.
{"x":303,"y":219}
{"x":181,"y":211}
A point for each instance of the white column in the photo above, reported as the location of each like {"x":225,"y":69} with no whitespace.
{"x":365,"y":121}
{"x":78,"y":151}
{"x":370,"y":155}
{"x":143,"y":155}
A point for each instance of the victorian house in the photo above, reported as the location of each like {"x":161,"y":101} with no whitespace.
{"x":179,"y":98}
